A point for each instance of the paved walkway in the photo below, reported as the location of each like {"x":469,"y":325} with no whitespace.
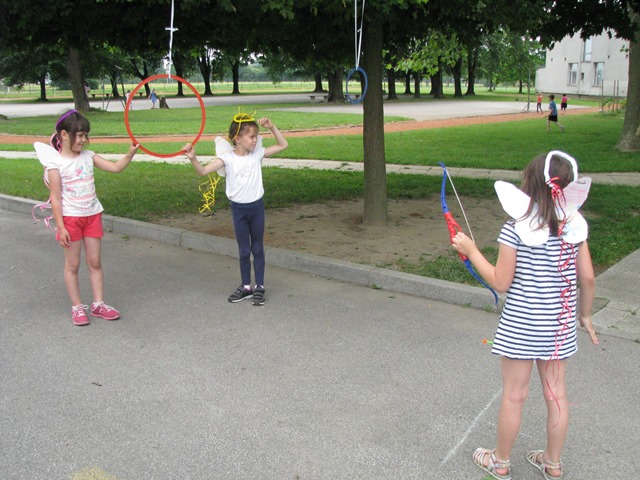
{"x":624,"y":178}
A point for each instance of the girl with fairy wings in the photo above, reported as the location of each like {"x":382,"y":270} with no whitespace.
{"x":543,"y":256}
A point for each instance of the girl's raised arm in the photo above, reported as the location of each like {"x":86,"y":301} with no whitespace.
{"x":120,"y":165}
{"x":202,"y":170}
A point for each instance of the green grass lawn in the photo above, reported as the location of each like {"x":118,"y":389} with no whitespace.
{"x":148,"y":191}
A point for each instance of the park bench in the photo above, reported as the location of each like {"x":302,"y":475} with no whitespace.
{"x":323,"y":96}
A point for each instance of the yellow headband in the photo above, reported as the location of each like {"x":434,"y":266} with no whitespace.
{"x":241,"y":118}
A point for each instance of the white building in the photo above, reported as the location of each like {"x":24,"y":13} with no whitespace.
{"x":598,"y":66}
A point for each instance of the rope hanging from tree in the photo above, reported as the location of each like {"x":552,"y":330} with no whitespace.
{"x":357,"y":33}
{"x":171,"y":30}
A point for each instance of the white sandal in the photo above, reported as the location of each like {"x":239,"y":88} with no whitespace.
{"x":542,"y":465}
{"x":494,"y":463}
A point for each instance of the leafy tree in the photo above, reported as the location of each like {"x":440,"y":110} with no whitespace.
{"x":30,"y":66}
{"x":65,"y":29}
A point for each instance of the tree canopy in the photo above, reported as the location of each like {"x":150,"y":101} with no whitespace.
{"x":317,"y":35}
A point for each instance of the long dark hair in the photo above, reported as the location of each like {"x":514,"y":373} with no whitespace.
{"x":71,"y":122}
{"x":535,"y":185}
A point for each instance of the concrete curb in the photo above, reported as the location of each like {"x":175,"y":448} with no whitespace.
{"x":365,"y":275}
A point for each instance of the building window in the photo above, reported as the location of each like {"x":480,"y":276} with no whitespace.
{"x":573,"y":73}
{"x":587,"y":50}
{"x":598,"y":73}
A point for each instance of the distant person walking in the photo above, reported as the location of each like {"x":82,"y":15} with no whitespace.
{"x":553,"y":114}
{"x":564,"y":101}
{"x":126,"y":99}
{"x":539,"y":103}
{"x":154,"y":98}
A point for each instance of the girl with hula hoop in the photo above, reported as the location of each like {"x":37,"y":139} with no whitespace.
{"x":77,"y":210}
{"x":242,"y":167}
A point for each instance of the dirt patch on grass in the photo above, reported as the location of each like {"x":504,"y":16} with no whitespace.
{"x":416,"y":230}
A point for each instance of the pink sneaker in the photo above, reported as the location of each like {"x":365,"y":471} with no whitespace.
{"x":103,"y":310}
{"x":79,"y":316}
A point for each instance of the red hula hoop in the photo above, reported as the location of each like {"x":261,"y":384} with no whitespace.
{"x":131,"y":97}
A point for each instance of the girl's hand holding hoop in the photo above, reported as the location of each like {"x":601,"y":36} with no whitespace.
{"x":189,"y":151}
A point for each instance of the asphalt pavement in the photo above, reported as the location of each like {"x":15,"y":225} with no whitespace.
{"x":328,"y":380}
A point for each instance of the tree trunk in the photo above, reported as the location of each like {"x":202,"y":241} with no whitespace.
{"x":114,"y":85}
{"x":142,"y":75}
{"x":204,"y":63}
{"x":43,"y":87}
{"x":391,"y":76}
{"x":375,"y":174}
{"x":235,"y":69}
{"x":180,"y":85}
{"x":629,"y":140}
{"x":74,"y":71}
{"x":457,"y":78}
{"x":417,"y":78}
{"x":472,"y":66}
{"x":407,"y":83}
{"x":436,"y":85}
{"x":318,"y":81}
{"x":391,"y":82}
{"x":336,"y":93}
{"x":178,"y":64}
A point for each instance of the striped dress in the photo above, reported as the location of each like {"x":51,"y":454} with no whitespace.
{"x":531,"y":323}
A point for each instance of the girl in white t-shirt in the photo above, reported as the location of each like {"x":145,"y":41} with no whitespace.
{"x":76,"y":209}
{"x":543,"y":255}
{"x":242,"y":167}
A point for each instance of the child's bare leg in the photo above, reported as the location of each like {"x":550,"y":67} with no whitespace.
{"x":552,"y":376}
{"x":71,"y":267}
{"x":515,"y":381}
{"x":93,"y":252}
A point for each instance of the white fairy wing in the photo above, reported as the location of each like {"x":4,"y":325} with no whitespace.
{"x":576,"y":229}
{"x":46,"y":154}
{"x":528,"y":233}
{"x":516,"y":203}
{"x":222,"y":147}
{"x":575,"y":194}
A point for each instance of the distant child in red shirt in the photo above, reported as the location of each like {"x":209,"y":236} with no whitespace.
{"x":539,"y":103}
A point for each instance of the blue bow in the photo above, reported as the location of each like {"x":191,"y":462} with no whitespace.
{"x":454,"y":228}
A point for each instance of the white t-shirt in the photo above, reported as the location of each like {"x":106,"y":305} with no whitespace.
{"x":243,"y":176}
{"x":78,"y":188}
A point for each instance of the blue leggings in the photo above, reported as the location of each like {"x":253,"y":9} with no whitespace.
{"x":248,"y":224}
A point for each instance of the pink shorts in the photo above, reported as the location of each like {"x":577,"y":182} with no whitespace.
{"x":81,"y":227}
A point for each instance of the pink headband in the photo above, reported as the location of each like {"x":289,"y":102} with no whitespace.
{"x":64,"y":117}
